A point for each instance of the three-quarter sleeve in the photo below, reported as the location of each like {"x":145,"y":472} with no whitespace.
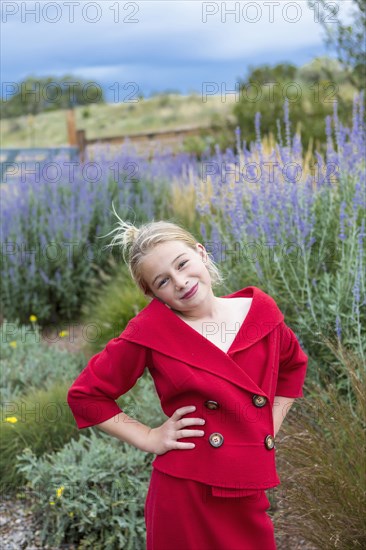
{"x":108,"y":375}
{"x":293,"y":363}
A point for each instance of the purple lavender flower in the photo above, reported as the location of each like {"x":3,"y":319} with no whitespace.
{"x":342,"y":218}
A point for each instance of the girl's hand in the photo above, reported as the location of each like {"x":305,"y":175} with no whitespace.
{"x":165,"y":437}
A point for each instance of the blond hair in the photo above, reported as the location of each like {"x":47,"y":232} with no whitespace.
{"x":137,"y":242}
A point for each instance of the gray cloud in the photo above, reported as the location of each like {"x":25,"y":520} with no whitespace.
{"x":169,"y":47}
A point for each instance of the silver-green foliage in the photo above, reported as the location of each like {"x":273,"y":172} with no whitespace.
{"x":90,"y":493}
{"x":27,"y":361}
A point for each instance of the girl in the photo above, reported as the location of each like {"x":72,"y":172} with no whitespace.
{"x":226,"y":369}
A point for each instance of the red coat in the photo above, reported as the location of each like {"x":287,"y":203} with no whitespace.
{"x":264,"y":360}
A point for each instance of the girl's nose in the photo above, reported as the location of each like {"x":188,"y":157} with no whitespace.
{"x":180,"y":283}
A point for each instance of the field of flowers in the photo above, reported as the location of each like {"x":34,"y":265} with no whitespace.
{"x":272,"y":216}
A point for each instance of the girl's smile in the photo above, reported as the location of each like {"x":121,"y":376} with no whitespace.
{"x":191,"y":292}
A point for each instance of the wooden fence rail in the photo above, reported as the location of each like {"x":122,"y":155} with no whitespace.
{"x":150,"y":141}
{"x":12,"y":160}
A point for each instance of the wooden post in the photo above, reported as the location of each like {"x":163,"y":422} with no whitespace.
{"x":71,"y":127}
{"x":81,"y":143}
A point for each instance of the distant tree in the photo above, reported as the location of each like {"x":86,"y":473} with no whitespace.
{"x":265,"y":90}
{"x":323,"y":68}
{"x":349,"y":41}
{"x":36,"y":95}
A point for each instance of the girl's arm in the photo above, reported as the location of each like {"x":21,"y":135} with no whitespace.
{"x":281,"y":406}
{"x":155,"y":440}
{"x":108,"y":375}
{"x":125,"y":428}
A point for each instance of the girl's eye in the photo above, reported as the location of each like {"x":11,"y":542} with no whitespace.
{"x":163,"y":280}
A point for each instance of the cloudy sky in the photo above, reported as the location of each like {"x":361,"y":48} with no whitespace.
{"x":157,"y":44}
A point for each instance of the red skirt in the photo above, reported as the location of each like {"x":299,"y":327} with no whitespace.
{"x":183,"y":514}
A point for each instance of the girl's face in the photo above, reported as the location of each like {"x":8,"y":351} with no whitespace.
{"x":172,"y":269}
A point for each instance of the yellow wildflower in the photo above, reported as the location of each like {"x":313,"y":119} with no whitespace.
{"x":13,"y":344}
{"x":59,"y":491}
{"x":11,"y":419}
{"x":33,"y":318}
{"x":71,"y":514}
{"x":63,"y":333}
{"x":52,"y":503}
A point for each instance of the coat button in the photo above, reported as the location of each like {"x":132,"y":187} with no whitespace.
{"x":259,"y":400}
{"x":269,"y":442}
{"x":216,"y":439}
{"x":212,"y":405}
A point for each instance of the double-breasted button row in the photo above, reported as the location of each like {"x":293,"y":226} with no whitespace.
{"x":216,"y":439}
{"x":259,"y":400}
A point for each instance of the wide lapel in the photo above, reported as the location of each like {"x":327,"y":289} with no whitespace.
{"x":159,"y":328}
{"x":263,"y":316}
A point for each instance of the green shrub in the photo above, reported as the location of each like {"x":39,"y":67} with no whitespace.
{"x":40,"y":420}
{"x":34,"y":383}
{"x":196,"y":145}
{"x":322,"y":454}
{"x":309,"y":99}
{"x":90,"y":493}
{"x":27,"y":361}
{"x":111,"y":306}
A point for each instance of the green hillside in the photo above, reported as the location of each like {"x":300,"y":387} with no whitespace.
{"x":161,"y":112}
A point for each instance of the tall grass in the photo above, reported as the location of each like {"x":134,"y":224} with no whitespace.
{"x":322,"y":456}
